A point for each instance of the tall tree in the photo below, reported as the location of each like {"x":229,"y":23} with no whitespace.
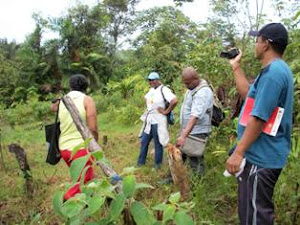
{"x":121,"y":14}
{"x":83,"y":42}
{"x":80,"y":30}
{"x":166,"y":37}
{"x":9,"y":80}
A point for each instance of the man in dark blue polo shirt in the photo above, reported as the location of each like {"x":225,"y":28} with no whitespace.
{"x":265,"y":152}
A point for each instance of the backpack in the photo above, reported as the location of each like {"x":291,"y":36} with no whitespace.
{"x":217,"y":114}
{"x":170,"y":115}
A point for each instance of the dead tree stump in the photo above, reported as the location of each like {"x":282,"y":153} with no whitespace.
{"x":178,"y":171}
{"x":20,"y":155}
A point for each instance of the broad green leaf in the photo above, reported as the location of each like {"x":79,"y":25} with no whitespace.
{"x":141,"y":214}
{"x":98,"y":155}
{"x":93,"y":184}
{"x":72,"y":208}
{"x":160,"y":207}
{"x":169,"y":213}
{"x":143,"y":185}
{"x":128,"y":170}
{"x":95,"y":203}
{"x":83,"y":174}
{"x":58,"y":202}
{"x":174,"y":198}
{"x":87,"y":191}
{"x":82,"y":145}
{"x":181,"y":218}
{"x":106,"y":189}
{"x":81,"y":197}
{"x":75,"y":221}
{"x":116,"y":207}
{"x":129,"y":186}
{"x":77,"y":167}
{"x":104,"y":221}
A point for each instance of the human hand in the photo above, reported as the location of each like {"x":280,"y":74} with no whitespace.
{"x":233,"y":163}
{"x":180,"y":141}
{"x":162,"y":110}
{"x":235,"y":62}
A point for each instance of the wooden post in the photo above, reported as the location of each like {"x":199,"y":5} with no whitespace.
{"x":1,"y":152}
{"x":93,"y":145}
{"x":105,"y":139}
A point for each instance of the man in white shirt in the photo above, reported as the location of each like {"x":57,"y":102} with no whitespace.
{"x":155,"y":119}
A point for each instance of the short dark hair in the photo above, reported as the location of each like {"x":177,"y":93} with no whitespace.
{"x":277,"y":47}
{"x":78,"y":82}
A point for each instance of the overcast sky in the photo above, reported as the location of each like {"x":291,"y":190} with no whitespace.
{"x":16,"y":15}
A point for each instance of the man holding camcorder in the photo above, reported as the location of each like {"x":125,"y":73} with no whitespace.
{"x":264,"y":142}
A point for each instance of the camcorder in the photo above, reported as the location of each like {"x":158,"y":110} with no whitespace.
{"x":230,"y":54}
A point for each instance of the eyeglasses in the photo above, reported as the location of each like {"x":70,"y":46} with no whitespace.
{"x":151,"y":79}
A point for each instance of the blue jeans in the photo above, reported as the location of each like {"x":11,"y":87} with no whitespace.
{"x":145,"y":140}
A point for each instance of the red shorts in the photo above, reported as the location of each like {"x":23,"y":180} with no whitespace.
{"x":67,"y":156}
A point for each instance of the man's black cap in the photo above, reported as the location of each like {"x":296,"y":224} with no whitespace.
{"x":274,"y":32}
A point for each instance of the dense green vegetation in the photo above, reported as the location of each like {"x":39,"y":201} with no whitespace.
{"x":165,"y":40}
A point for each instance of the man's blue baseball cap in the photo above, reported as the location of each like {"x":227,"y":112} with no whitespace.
{"x":153,"y":76}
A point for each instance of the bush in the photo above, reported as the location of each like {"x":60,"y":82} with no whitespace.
{"x":101,"y":102}
{"x":129,"y":114}
{"x":31,"y":111}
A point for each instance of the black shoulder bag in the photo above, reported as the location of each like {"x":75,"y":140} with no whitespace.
{"x":217,"y":115}
{"x":52,"y":135}
{"x":170,"y":115}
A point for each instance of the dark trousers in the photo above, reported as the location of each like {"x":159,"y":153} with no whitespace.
{"x":196,"y":163}
{"x":255,"y":192}
{"x":145,"y":141}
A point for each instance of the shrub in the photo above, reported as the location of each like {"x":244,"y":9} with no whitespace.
{"x":128,"y":114}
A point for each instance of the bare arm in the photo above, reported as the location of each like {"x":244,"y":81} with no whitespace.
{"x":253,"y":129}
{"x":185,"y":132}
{"x":172,"y":105}
{"x":91,"y":116}
{"x":241,"y":81}
{"x":54,"y":106}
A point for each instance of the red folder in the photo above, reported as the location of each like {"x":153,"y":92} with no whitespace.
{"x":272,"y":124}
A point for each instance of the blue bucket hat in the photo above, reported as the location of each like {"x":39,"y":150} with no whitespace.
{"x":153,"y":76}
